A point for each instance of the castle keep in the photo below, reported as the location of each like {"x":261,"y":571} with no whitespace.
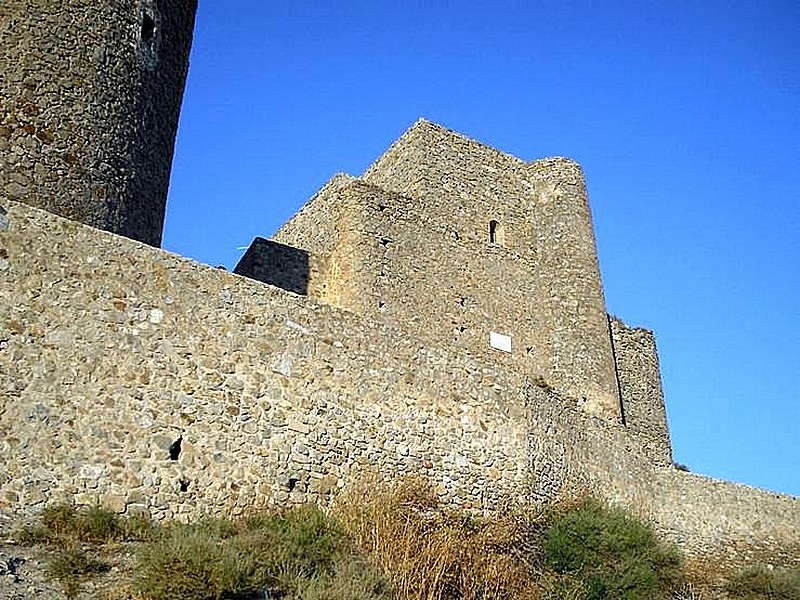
{"x":455,"y":241}
{"x":442,"y":315}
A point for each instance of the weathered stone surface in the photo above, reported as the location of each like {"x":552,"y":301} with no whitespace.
{"x":90,"y":418}
{"x":377,"y":361}
{"x":639,"y":378}
{"x":89,"y":107}
{"x":454,"y":241}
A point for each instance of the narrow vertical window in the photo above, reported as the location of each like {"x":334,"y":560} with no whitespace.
{"x":148,"y":29}
{"x":496,"y":233}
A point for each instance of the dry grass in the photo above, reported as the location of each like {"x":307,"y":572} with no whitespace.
{"x":431,"y":553}
{"x":72,"y":566}
{"x":391,"y":543}
{"x":761,"y":583}
{"x":574,"y":550}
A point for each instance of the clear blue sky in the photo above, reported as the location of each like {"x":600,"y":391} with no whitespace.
{"x":684,"y":115}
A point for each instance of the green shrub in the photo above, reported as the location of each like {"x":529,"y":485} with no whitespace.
{"x":304,"y":541}
{"x":137,"y":528}
{"x":64,"y":528}
{"x":609,"y":554}
{"x":211,"y":559}
{"x":352,"y":579}
{"x":188,"y":563}
{"x":758,"y":583}
{"x":32,"y":535}
{"x":71,"y":566}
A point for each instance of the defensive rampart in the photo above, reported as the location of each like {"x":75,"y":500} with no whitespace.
{"x":110,"y":350}
{"x":731,"y":523}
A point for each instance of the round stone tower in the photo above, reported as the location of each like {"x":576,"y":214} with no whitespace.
{"x":571,"y":305}
{"x":90,"y":93}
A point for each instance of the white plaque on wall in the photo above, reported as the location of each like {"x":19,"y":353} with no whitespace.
{"x":500,"y":341}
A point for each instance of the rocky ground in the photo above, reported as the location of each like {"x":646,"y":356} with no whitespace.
{"x":24,"y":570}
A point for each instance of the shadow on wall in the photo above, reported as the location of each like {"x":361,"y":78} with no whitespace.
{"x":276,"y":264}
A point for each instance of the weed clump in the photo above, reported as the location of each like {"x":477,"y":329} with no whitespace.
{"x":70,"y":532}
{"x":72,"y":566}
{"x":298,"y":553}
{"x":760,"y":583}
{"x":601,"y":553}
{"x":62,"y":524}
{"x":583,"y":551}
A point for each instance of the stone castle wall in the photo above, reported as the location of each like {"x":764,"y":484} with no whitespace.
{"x":375,"y":361}
{"x":393,"y":256}
{"x":110,"y":350}
{"x":399,"y":253}
{"x":572,"y":452}
{"x":453,"y":240}
{"x":89,"y":100}
{"x":639,"y":376}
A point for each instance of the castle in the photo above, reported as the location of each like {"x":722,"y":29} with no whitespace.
{"x":460,"y":244}
{"x":442,"y":314}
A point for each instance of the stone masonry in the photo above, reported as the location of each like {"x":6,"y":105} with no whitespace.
{"x":441,"y":315}
{"x":90,"y":94}
{"x":413,"y":241}
{"x":110,"y":350}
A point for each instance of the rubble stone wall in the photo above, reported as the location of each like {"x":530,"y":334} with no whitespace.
{"x":454,"y":240}
{"x":90,"y":94}
{"x":573,"y":453}
{"x":639,"y":375}
{"x":110,"y":351}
